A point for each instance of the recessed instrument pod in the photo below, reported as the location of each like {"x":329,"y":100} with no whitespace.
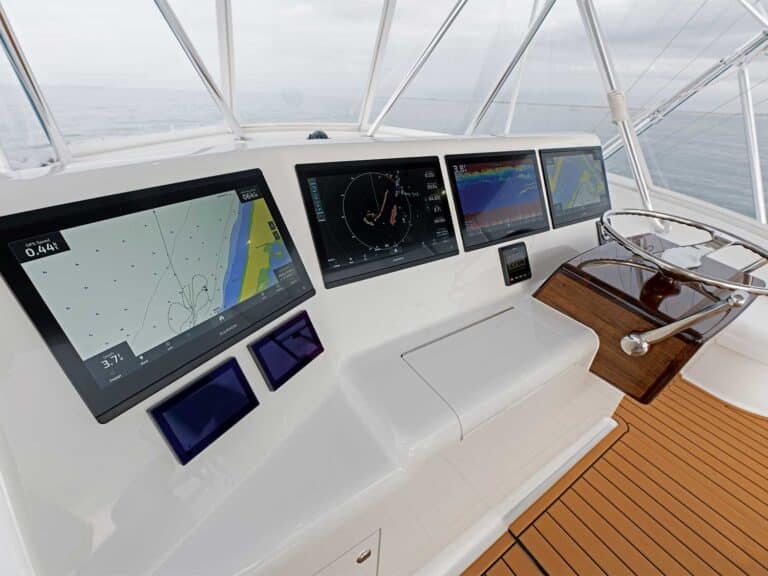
{"x":373,"y":217}
{"x":195,"y":417}
{"x":284,"y":351}
{"x":132,"y":291}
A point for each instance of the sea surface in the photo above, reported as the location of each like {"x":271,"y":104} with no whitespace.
{"x":700,"y":154}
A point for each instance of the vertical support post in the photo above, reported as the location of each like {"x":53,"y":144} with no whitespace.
{"x":744,"y":53}
{"x":31,"y":89}
{"x":527,"y":39}
{"x":518,"y":79}
{"x":379,"y":51}
{"x":5,"y":166}
{"x":617,"y":102}
{"x":202,"y":71}
{"x":753,"y":148}
{"x":418,"y":65}
{"x":226,"y":51}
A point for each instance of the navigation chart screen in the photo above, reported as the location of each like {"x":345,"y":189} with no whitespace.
{"x":576,"y":183}
{"x":499,"y":197}
{"x":135,"y":289}
{"x":373,"y":217}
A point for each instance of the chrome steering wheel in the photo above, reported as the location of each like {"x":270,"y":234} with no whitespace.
{"x":718,"y":239}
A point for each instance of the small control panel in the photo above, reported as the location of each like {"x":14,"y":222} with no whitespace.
{"x":284,"y":351}
{"x":515,"y":265}
{"x":195,"y":417}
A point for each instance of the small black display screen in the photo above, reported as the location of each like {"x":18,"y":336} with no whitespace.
{"x":192,"y":419}
{"x":576,"y":184}
{"x":373,"y":217}
{"x":499,"y":197}
{"x":514,"y":263}
{"x":284,"y":351}
{"x":131,"y":291}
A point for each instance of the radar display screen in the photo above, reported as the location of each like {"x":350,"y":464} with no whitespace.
{"x":373,"y":217}
{"x":576,"y":184}
{"x":133,"y":290}
{"x":499,"y":197}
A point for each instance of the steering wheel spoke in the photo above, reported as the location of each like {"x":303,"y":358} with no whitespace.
{"x":719,"y":239}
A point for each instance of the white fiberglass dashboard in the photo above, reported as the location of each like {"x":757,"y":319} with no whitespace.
{"x":393,"y":261}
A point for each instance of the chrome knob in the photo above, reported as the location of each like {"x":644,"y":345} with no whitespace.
{"x":633,"y":344}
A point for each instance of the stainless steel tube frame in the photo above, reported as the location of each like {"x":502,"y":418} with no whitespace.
{"x":31,"y":89}
{"x":677,"y":271}
{"x":202,"y":71}
{"x":226,"y":51}
{"x":417,"y":66}
{"x":711,"y":75}
{"x":379,"y":50}
{"x":529,"y":36}
{"x":756,"y":14}
{"x":616,"y":101}
{"x":753,"y":148}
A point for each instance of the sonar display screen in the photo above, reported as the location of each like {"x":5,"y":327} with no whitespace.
{"x":499,"y":197}
{"x":131,"y":291}
{"x":576,"y":183}
{"x":373,"y":217}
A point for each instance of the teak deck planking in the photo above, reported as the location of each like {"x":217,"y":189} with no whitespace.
{"x":679,"y":487}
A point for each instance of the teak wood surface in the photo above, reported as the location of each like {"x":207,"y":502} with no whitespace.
{"x":680,"y":487}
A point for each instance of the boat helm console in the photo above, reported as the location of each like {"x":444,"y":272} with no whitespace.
{"x":210,"y":344}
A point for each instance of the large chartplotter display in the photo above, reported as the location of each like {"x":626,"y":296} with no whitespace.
{"x":131,"y":291}
{"x":373,"y":217}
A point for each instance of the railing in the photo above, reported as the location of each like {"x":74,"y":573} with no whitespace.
{"x":222,"y":92}
{"x":737,"y":61}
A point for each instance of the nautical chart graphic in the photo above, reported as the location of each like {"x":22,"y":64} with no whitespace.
{"x":147,"y":277}
{"x":576,"y":180}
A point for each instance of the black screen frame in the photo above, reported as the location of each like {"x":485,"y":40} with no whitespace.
{"x":43,"y":221}
{"x":599,"y":208}
{"x":453,"y":159}
{"x":159,"y":411}
{"x":306,"y":171}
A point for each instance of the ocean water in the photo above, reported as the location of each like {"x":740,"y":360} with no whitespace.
{"x":702,"y":155}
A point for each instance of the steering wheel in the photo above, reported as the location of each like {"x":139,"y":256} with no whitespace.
{"x":682,"y":261}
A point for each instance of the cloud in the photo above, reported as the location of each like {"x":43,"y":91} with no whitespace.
{"x":324,"y":46}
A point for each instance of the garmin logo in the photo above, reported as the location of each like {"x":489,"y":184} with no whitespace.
{"x":227,"y":330}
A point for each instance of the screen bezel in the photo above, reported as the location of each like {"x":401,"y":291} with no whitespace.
{"x":159,"y":411}
{"x":305,"y":171}
{"x":29,"y":224}
{"x":453,"y":159}
{"x":599,"y":208}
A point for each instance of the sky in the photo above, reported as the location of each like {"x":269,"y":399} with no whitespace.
{"x":300,"y":59}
